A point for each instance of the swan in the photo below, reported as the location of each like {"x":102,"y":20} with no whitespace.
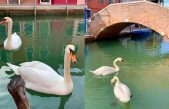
{"x":13,"y":41}
{"x":42,"y":78}
{"x":121,"y":91}
{"x":105,"y":70}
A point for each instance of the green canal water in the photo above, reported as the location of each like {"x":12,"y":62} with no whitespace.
{"x":44,"y":39}
{"x":145,"y":71}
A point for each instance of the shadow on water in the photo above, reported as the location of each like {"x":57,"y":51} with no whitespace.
{"x":64,"y":99}
{"x":127,"y":105}
{"x":1,"y":45}
{"x":124,"y":105}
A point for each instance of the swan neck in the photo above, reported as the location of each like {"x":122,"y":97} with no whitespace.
{"x":67,"y":76}
{"x":9,"y":37}
{"x":9,"y":29}
{"x":115,"y":65}
{"x":115,"y":79}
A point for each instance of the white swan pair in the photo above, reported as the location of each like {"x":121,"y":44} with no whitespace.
{"x":13,"y":41}
{"x":121,"y":91}
{"x":42,"y":78}
{"x":105,"y":70}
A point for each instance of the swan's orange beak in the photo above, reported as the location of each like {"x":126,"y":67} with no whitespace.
{"x":2,"y":21}
{"x":73,"y":57}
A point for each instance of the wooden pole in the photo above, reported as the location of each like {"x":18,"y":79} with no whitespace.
{"x":35,"y":8}
{"x":16,"y":88}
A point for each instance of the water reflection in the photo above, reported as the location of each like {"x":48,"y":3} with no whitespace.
{"x":44,"y":40}
{"x":152,"y":43}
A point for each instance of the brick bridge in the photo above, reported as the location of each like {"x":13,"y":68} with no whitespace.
{"x":114,"y":18}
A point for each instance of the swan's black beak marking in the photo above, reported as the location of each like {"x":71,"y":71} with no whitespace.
{"x":73,"y":57}
{"x":71,"y":51}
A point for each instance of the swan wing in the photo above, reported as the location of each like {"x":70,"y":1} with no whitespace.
{"x":126,"y":90}
{"x":39,"y":77}
{"x":30,"y":64}
{"x":16,"y":40}
{"x":122,"y":92}
{"x":39,"y":65}
{"x":104,"y":70}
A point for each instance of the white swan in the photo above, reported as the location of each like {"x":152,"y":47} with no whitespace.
{"x":13,"y":41}
{"x":121,"y":91}
{"x":105,"y":70}
{"x":42,"y":78}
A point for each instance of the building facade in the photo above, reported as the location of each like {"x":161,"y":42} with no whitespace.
{"x":42,"y":2}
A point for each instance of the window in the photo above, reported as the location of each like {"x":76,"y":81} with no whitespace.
{"x":111,"y":1}
{"x":45,"y":1}
{"x":101,"y":1}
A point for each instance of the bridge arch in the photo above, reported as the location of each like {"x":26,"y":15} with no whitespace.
{"x":115,"y":17}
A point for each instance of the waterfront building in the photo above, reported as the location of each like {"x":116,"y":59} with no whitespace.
{"x":42,"y":2}
{"x":41,"y":7}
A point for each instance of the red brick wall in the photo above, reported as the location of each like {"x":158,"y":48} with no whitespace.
{"x":96,"y":5}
